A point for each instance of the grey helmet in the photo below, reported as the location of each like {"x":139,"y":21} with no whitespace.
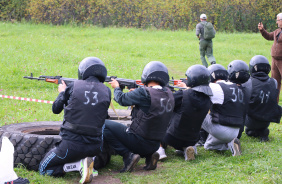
{"x":217,"y":72}
{"x":92,"y":66}
{"x":259,"y":63}
{"x":155,"y":71}
{"x":198,"y":78}
{"x":238,"y":72}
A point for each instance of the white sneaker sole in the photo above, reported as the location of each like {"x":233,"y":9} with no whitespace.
{"x":87,"y":170}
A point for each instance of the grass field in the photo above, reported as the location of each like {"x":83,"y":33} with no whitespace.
{"x":57,"y":50}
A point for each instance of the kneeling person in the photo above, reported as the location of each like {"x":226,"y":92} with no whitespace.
{"x":191,"y":108}
{"x":153,"y":105}
{"x":85,"y":103}
{"x":228,"y":110}
{"x":263,"y":106}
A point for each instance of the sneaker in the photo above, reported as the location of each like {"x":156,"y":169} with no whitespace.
{"x":129,"y":162}
{"x":94,"y":173}
{"x":86,"y":170}
{"x":189,"y":153}
{"x":151,"y":162}
{"x":161,"y":152}
{"x":235,"y":147}
{"x":213,"y":62}
{"x":18,"y":181}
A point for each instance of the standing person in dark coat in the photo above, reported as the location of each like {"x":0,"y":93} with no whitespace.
{"x":191,"y":108}
{"x":276,"y":50}
{"x":85,"y":103}
{"x":153,"y":106}
{"x":263,"y":106}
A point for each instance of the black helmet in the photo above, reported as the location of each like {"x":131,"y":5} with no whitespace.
{"x":217,"y":72}
{"x":197,"y":75}
{"x":238,"y":72}
{"x":198,"y":78}
{"x":92,"y":66}
{"x":155,"y":71}
{"x":259,"y":63}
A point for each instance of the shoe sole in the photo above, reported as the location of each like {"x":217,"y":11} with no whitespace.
{"x":162,"y":157}
{"x":237,"y":147}
{"x":135,"y":160}
{"x":190,"y":152}
{"x":87,"y":172}
{"x":153,"y":163}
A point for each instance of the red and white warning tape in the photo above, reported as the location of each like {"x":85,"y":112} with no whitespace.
{"x":26,"y":99}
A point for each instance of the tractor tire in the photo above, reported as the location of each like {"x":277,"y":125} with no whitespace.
{"x":32,"y":140}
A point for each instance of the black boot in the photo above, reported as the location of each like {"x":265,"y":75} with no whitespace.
{"x":129,"y":161}
{"x":151,"y":161}
{"x":251,"y":133}
{"x":203,"y":138}
{"x":264,"y":135}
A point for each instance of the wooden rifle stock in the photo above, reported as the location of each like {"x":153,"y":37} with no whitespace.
{"x":56,"y":81}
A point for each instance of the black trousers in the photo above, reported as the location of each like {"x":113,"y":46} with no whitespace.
{"x":256,"y":128}
{"x":124,"y":142}
{"x":177,"y":143}
{"x":66,"y":152}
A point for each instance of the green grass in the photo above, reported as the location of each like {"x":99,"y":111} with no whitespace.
{"x":57,"y":50}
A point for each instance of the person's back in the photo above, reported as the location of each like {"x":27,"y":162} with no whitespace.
{"x":263,"y":106}
{"x":85,"y":103}
{"x":150,"y":117}
{"x":205,"y":45}
{"x":186,"y":123}
{"x":191,"y":107}
{"x":231,"y":111}
{"x":227,"y":112}
{"x":86,"y":113}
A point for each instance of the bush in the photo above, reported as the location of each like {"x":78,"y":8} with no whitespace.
{"x":237,"y":15}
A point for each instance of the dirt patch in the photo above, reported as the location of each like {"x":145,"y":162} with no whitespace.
{"x":105,"y":180}
{"x":111,"y":179}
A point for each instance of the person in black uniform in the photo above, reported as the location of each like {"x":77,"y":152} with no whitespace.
{"x":85,"y":103}
{"x":153,"y":106}
{"x":263,"y":106}
{"x":191,"y":108}
{"x":228,"y":110}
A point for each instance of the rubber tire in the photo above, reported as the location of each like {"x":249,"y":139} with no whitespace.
{"x":31,"y":141}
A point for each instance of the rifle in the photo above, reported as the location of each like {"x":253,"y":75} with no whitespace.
{"x":129,"y":83}
{"x":51,"y":79}
{"x":175,"y":82}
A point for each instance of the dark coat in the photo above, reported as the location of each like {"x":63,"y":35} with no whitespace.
{"x":276,"y":50}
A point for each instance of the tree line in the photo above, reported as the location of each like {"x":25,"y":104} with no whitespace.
{"x":229,"y":16}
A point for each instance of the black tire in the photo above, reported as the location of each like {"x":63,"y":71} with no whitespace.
{"x":31,"y":141}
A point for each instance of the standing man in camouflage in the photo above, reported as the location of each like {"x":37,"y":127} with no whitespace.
{"x":205,"y":32}
{"x":276,"y":50}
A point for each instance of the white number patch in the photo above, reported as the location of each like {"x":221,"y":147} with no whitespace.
{"x":264,"y":96}
{"x":87,"y":96}
{"x":238,"y":95}
{"x":165,"y":105}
